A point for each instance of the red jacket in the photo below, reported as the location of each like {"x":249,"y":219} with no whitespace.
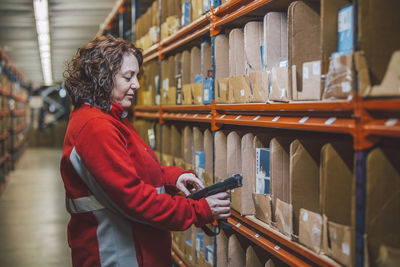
{"x":115,"y":193}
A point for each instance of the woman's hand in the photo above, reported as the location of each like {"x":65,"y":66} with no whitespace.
{"x":219,"y":205}
{"x":187,"y":179}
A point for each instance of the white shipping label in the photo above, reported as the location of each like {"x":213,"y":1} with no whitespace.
{"x":199,"y":99}
{"x":166,"y":84}
{"x":206,"y":95}
{"x":283,"y":64}
{"x":242,"y":92}
{"x":283,"y":93}
{"x":344,"y":20}
{"x":346,"y":249}
{"x":316,"y":67}
{"x":305,"y":216}
{"x":346,"y":87}
{"x":198,"y":244}
{"x":306,"y":75}
{"x":210,"y":257}
{"x":158,"y":99}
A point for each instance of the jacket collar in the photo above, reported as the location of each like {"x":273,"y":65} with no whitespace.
{"x":117,"y":111}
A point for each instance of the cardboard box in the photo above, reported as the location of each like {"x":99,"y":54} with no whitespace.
{"x":236,"y":252}
{"x":390,"y":85}
{"x":167,"y":160}
{"x":239,"y":89}
{"x":195,"y":64}
{"x":388,"y":256}
{"x":175,"y":141}
{"x":338,"y":242}
{"x":329,"y":29}
{"x":208,"y":179}
{"x":165,"y":80}
{"x":206,"y":59}
{"x":222,"y":249}
{"x":304,"y":38}
{"x":186,"y":68}
{"x":198,"y":141}
{"x":275,"y":40}
{"x":263,"y":207}
{"x":242,"y":197}
{"x":379,"y":34}
{"x":311,"y":89}
{"x":337,"y":181}
{"x":252,"y":259}
{"x":339,"y":80}
{"x":233,"y":154}
{"x":197,"y":93}
{"x":208,"y":151}
{"x":222,"y":91}
{"x":166,"y":136}
{"x":284,"y":217}
{"x":310,"y":229}
{"x":221,"y":57}
{"x":179,"y":162}
{"x":383,"y":202}
{"x":258,"y":87}
{"x":279,"y":89}
{"x":263,"y":174}
{"x":220,"y":155}
{"x":280,"y":169}
{"x":199,"y":246}
{"x":338,"y":190}
{"x":253,"y":39}
{"x":188,"y":144}
{"x":304,"y":177}
{"x":197,"y":9}
{"x":236,"y":53}
{"x":187,"y":97}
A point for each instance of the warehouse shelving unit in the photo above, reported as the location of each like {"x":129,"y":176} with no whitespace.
{"x":366,"y":120}
{"x":14,"y":135}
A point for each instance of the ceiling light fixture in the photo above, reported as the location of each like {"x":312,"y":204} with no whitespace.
{"x":43,"y":30}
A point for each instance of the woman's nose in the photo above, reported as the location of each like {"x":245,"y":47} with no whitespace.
{"x":135,"y":84}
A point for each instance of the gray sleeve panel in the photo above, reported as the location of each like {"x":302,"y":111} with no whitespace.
{"x":95,"y":188}
{"x":115,"y":238}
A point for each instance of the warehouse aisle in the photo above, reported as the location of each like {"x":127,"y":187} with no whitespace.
{"x":32,"y":213}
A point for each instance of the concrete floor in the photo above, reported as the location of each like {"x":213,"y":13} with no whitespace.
{"x":33,"y":219}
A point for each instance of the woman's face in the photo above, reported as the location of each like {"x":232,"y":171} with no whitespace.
{"x":126,"y":81}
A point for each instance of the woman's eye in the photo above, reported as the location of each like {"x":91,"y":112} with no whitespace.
{"x":127,"y":78}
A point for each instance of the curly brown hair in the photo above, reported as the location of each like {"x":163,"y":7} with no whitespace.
{"x":89,"y":76}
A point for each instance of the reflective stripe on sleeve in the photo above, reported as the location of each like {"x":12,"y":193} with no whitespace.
{"x":83,"y":204}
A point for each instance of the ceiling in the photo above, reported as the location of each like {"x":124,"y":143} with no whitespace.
{"x":72,"y":24}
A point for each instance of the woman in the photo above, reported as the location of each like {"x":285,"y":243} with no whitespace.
{"x":120,"y":198}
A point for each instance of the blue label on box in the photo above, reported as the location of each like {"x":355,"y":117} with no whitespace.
{"x":262,"y":56}
{"x":345,"y":30}
{"x":185,"y":13}
{"x":199,"y":241}
{"x":208,"y":93}
{"x":198,"y":78}
{"x":210,"y":254}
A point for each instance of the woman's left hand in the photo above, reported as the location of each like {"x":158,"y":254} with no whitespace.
{"x":187,"y":179}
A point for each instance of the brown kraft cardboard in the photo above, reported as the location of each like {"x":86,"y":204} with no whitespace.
{"x":304,"y":38}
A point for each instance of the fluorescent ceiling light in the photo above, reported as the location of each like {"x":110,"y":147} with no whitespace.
{"x":43,"y":30}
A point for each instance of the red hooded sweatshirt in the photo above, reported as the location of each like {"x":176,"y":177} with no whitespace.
{"x":116,"y":194}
